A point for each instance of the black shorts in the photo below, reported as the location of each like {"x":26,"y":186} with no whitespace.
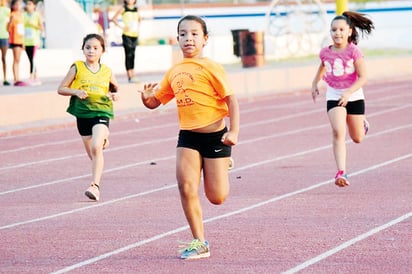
{"x":209,"y":145}
{"x":354,"y":107}
{"x":85,"y":125}
{"x":15,"y":46}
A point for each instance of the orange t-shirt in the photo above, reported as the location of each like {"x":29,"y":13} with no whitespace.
{"x":199,"y":86}
{"x":16,"y":28}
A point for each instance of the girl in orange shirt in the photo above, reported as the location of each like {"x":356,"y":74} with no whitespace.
{"x":16,"y":37}
{"x":203,"y":99}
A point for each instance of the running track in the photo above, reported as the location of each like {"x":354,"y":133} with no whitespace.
{"x":284,"y":213}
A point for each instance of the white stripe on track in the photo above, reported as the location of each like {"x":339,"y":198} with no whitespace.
{"x":174,"y":124}
{"x":347,"y":244}
{"x":236,"y":212}
{"x":174,"y":137}
{"x":237,"y":168}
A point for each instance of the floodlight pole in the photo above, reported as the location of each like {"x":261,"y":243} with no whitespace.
{"x":341,"y":6}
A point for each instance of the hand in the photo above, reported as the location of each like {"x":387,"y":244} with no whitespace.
{"x":343,"y":101}
{"x":81,"y":94}
{"x":315,"y":93}
{"x":148,"y":90}
{"x":113,"y":96}
{"x":229,"y":138}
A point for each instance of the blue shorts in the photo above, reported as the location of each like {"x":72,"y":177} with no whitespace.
{"x":354,"y":107}
{"x":85,"y":125}
{"x":4,"y":43}
{"x":209,"y":145}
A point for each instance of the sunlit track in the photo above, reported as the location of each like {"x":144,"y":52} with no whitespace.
{"x":267,"y":121}
{"x":245,"y":209}
{"x":256,"y":164}
{"x":283,"y":201}
{"x":244,"y":107}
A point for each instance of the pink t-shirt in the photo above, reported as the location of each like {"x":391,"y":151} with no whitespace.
{"x":339,"y":65}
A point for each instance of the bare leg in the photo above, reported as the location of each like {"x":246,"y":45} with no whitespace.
{"x":337,"y":118}
{"x":94,"y":148}
{"x":16,"y":63}
{"x":356,"y":127}
{"x":188,"y":170}
{"x":3,"y":60}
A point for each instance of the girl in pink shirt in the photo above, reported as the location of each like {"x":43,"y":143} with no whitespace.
{"x":342,"y":68}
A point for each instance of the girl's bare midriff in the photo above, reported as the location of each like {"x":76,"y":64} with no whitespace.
{"x":216,"y":126}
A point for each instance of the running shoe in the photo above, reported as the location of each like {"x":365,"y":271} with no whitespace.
{"x":6,"y":83}
{"x":341,"y":179}
{"x":20,"y":84}
{"x":93,"y":192}
{"x":195,"y":250}
{"x":366,"y":126}
{"x":34,"y":82}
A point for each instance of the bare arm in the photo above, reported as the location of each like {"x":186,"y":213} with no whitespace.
{"x":113,"y":88}
{"x":318,"y":76}
{"x":64,"y":87}
{"x":148,"y":98}
{"x":362,"y":79}
{"x":116,"y":15}
{"x":231,"y":137}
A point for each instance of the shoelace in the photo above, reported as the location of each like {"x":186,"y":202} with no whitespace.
{"x":193,"y":245}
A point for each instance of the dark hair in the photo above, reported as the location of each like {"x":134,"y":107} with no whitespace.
{"x":125,"y":2}
{"x":194,"y":18}
{"x":356,"y":21}
{"x":94,"y":35}
{"x":13,"y":2}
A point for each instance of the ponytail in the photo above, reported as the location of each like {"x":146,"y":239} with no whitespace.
{"x":356,"y":21}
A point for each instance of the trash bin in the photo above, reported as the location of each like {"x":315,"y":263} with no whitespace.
{"x":236,"y":40}
{"x":252,"y":48}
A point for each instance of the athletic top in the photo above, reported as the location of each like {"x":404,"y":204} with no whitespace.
{"x":199,"y":86}
{"x":97,"y":104}
{"x":4,"y":19}
{"x":130,"y":19}
{"x":340,"y":71}
{"x":16,"y":28}
{"x":31,"y":29}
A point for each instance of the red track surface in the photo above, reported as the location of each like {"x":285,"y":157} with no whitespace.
{"x":284,"y":213}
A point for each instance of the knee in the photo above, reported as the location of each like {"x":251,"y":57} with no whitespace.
{"x":96,"y":150}
{"x":357,"y":139}
{"x":217,"y":200}
{"x":217,"y":197}
{"x":187,"y":190}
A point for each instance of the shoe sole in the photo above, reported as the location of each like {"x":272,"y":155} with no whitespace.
{"x":341,"y":182}
{"x":91,"y":196}
{"x":199,"y":256}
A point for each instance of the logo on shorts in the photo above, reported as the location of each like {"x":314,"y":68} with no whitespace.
{"x":102,"y":121}
{"x":218,"y":150}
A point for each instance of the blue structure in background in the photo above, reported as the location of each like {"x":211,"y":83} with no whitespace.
{"x":87,"y":6}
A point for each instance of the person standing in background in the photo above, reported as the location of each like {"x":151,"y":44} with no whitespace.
{"x":130,"y":36}
{"x":4,"y":37}
{"x":16,"y":38}
{"x":33,"y":26}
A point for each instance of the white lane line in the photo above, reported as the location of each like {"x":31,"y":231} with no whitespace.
{"x":219,"y":217}
{"x":174,"y":124}
{"x":109,"y":170}
{"x":235,"y":169}
{"x":347,"y":244}
{"x":63,"y":213}
{"x":45,"y":161}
